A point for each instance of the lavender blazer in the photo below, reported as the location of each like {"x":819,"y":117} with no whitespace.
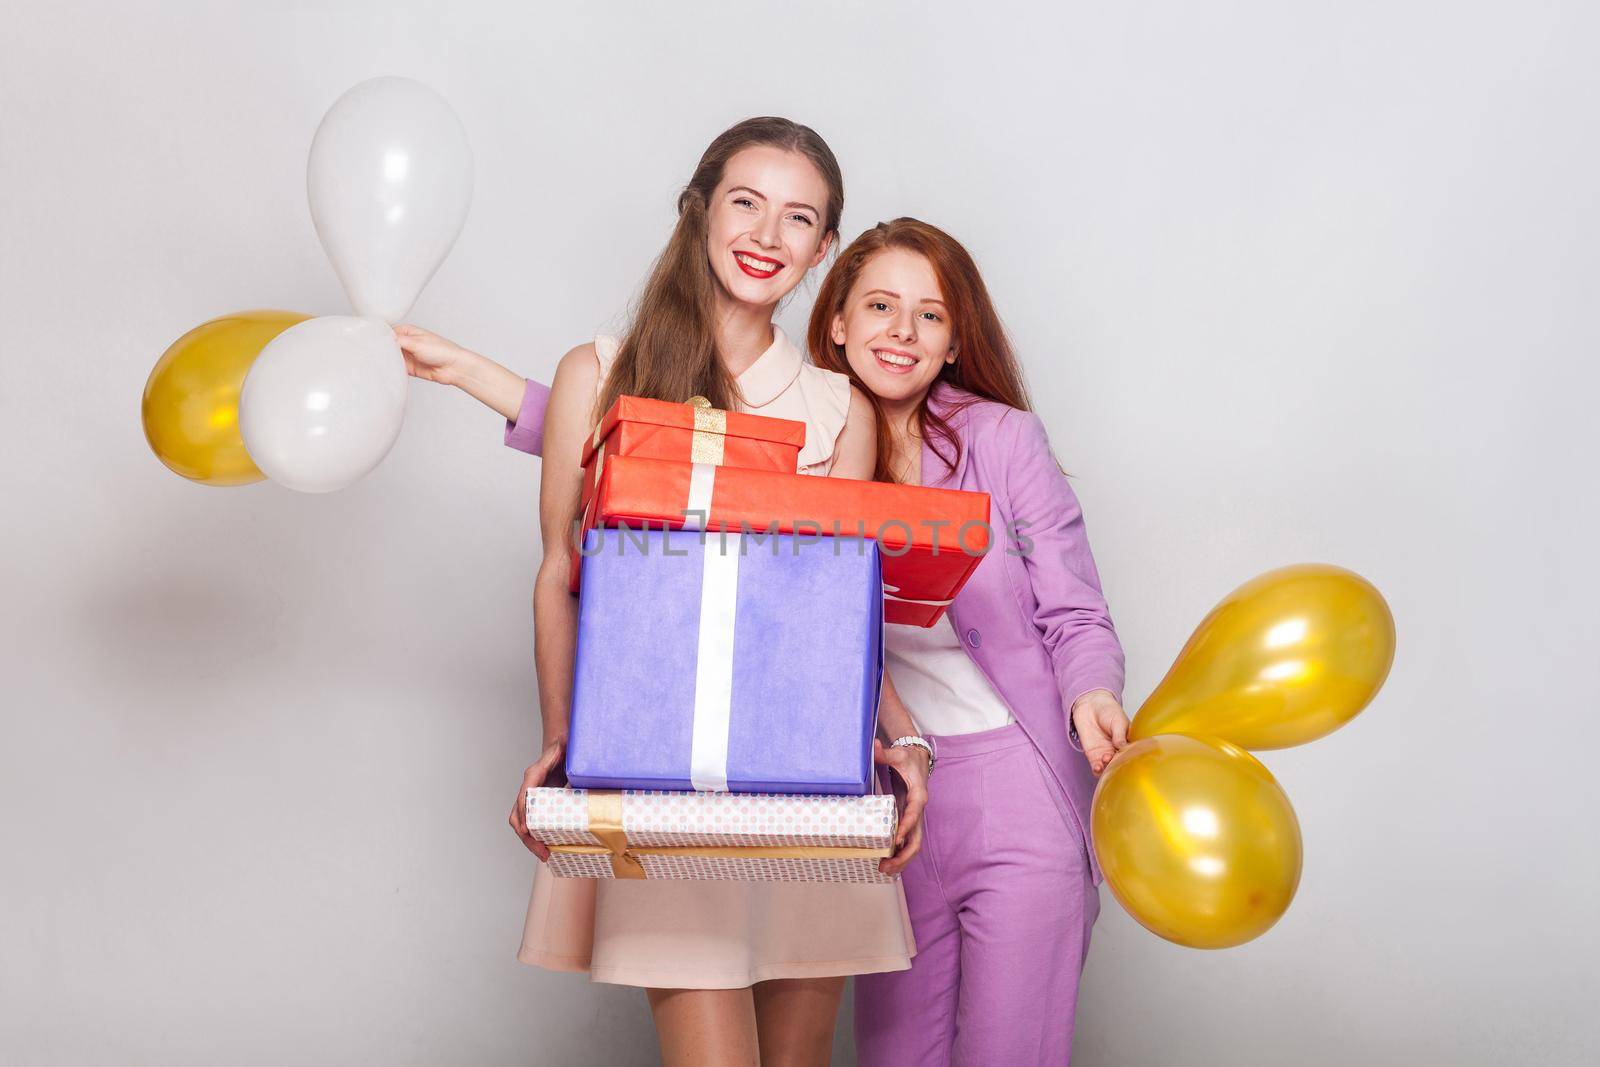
{"x":1032,"y":616}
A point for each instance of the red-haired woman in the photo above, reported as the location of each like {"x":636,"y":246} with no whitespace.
{"x":735,"y":970}
{"x":1025,"y":663}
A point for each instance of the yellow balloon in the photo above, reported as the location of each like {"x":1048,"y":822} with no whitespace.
{"x":1196,"y":840}
{"x":1287,"y":657}
{"x":191,"y":402}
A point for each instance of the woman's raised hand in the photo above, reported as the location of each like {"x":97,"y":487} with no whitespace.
{"x":1102,"y":727}
{"x":431,"y":357}
{"x":550,"y":761}
{"x":911,"y":764}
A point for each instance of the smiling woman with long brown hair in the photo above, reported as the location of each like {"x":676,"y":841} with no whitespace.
{"x":735,"y":970}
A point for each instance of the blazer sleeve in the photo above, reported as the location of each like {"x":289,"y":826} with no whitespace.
{"x":1048,"y":533}
{"x":526,"y":434}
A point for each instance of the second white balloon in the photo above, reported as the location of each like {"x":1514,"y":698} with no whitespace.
{"x":323,"y":403}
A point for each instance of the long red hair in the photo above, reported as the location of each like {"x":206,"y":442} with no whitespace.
{"x":985,"y":365}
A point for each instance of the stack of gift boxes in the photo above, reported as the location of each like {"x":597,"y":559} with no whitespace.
{"x":730,"y":650}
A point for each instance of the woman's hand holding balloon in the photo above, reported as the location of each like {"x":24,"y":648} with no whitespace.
{"x":431,"y":357}
{"x":439,"y":359}
{"x":1102,"y":727}
{"x":551,"y":761}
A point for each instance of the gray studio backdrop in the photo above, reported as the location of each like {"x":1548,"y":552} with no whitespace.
{"x":1306,"y":281}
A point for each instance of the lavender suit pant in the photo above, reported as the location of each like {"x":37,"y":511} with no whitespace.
{"x":1002,"y":902}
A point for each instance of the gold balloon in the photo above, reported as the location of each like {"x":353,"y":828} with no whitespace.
{"x":1285,"y":658}
{"x":1196,"y":840}
{"x":191,"y":402}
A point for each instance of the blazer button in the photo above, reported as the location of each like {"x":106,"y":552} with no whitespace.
{"x":974,"y":638}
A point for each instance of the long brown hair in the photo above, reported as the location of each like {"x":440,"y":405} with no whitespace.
{"x":985,"y":364}
{"x":670,"y":351}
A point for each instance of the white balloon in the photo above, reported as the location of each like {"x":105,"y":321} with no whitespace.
{"x":323,"y":402}
{"x":390,"y":181}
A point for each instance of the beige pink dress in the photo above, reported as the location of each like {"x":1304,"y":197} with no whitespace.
{"x":727,"y":935}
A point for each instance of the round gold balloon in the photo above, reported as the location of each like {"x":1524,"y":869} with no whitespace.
{"x":1285,"y":658}
{"x":191,"y":402}
{"x":1196,"y":840}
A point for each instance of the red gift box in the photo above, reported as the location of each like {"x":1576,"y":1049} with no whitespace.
{"x":694,"y":432}
{"x":931,"y":539}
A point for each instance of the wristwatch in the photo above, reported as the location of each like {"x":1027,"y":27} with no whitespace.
{"x":917,"y":742}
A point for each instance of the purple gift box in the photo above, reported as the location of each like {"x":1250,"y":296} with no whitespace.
{"x":725,"y":662}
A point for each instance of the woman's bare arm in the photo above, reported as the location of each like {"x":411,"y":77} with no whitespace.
{"x":855,"y":453}
{"x":555,"y":611}
{"x":438,"y":359}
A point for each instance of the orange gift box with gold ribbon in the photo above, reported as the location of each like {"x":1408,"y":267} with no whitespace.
{"x":693,"y":432}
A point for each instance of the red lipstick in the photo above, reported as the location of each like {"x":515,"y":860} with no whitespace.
{"x":777,"y":265}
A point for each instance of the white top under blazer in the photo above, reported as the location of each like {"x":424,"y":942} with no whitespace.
{"x":943,"y":689}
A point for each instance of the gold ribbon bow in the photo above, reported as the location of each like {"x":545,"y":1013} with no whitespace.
{"x":605,"y":823}
{"x":707,"y":444}
{"x":710,"y":432}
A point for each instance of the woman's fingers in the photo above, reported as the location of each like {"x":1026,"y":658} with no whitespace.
{"x":1097,"y":746}
{"x":531,"y":779}
{"x":908,"y":830}
{"x":519,"y":825}
{"x":1099,"y":756}
{"x":427,"y":351}
{"x":903,"y":855}
{"x":914,"y":775}
{"x":1119,"y":730}
{"x":911,"y":818}
{"x":535,"y":776}
{"x":529,"y":842}
{"x":912,"y":847}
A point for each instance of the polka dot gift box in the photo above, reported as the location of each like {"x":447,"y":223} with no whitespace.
{"x":712,"y":836}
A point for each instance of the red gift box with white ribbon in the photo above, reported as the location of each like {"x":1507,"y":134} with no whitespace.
{"x":931,"y":540}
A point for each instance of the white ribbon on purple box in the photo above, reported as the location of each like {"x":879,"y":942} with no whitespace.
{"x":713,"y":668}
